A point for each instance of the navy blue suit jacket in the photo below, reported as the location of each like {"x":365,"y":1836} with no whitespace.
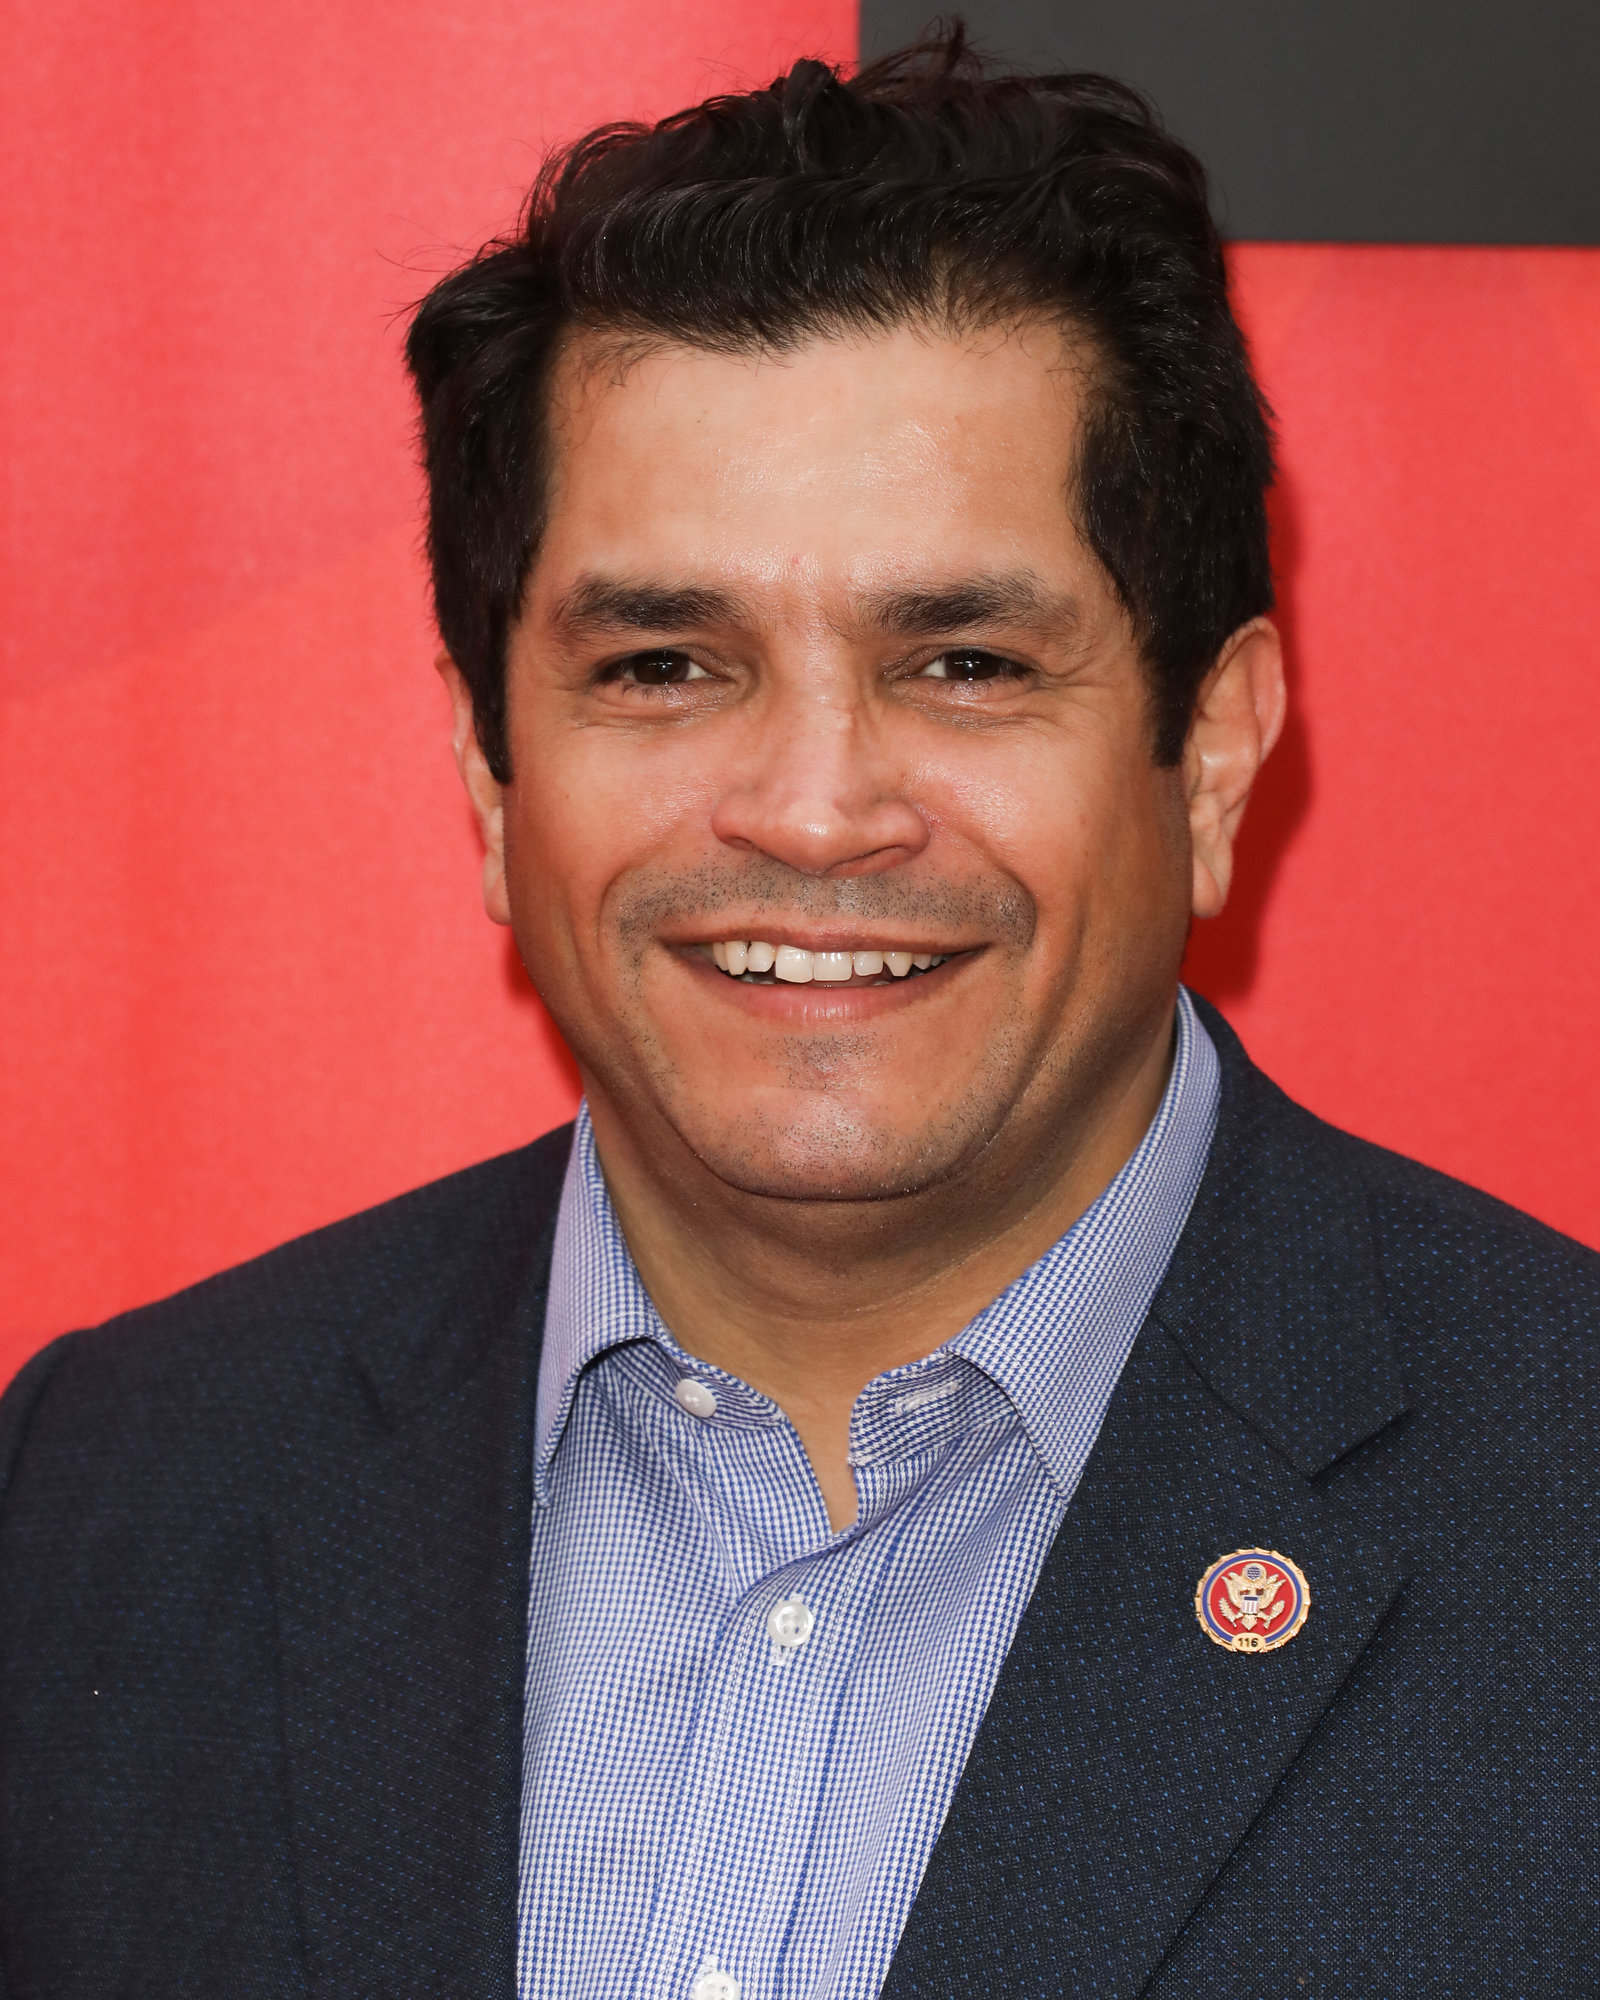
{"x":264,"y":1553}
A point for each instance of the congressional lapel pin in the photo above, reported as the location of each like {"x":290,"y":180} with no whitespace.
{"x":1253,"y":1601}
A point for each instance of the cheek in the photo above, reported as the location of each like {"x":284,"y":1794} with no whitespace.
{"x":588,"y":811}
{"x":1025,"y":812}
{"x":1067,"y":819}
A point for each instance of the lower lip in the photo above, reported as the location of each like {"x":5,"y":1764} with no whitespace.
{"x":821,"y":1001}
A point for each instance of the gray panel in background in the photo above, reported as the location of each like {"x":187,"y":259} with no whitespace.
{"x":1377,"y":121}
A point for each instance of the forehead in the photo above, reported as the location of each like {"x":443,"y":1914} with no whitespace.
{"x":857,"y":460}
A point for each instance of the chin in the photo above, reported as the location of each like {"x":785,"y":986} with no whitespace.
{"x":832,"y":1152}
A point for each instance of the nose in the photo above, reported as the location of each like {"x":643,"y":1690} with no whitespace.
{"x":821,"y":790}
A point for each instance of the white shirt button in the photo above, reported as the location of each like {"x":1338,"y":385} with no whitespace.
{"x":790,"y":1623}
{"x":698,"y":1400}
{"x":714,"y":1985}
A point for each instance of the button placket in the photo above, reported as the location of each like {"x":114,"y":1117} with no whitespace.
{"x":696,"y":1397}
{"x":753,"y":1700}
{"x":712,"y":1983}
{"x":790,"y":1624}
{"x":756,"y":1689}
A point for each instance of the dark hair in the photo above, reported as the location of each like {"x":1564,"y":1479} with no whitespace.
{"x":929,"y":185}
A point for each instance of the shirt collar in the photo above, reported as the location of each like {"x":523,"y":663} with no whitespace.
{"x":1056,"y":1338}
{"x":1046,"y":1341}
{"x":597,"y":1299}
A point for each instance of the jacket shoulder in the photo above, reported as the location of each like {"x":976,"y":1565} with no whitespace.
{"x":1481,"y":1309}
{"x":1489,"y":1306}
{"x":1443,"y":1232}
{"x":1430,"y":1229}
{"x":1493,"y":1314}
{"x":266,"y":1335}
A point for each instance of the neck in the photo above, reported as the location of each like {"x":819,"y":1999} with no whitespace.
{"x":807,"y":1301}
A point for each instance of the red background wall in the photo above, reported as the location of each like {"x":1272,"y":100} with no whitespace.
{"x":245,"y":986}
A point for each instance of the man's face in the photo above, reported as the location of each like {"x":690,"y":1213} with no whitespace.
{"x":814,"y":657}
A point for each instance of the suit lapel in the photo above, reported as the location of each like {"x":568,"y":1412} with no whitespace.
{"x":400,"y":1572}
{"x":1124,"y":1755}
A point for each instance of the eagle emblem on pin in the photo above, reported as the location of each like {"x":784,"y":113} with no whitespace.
{"x":1253,"y":1601}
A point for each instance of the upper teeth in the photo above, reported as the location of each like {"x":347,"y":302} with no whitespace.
{"x":788,"y":961}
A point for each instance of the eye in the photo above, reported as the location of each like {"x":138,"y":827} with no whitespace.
{"x":968,"y":663}
{"x":654,"y":670}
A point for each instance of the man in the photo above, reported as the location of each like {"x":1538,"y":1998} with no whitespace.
{"x":945,"y":1482}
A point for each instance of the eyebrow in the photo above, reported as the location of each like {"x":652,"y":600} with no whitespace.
{"x":1008,"y":598}
{"x":1011,"y":598}
{"x":612,"y":602}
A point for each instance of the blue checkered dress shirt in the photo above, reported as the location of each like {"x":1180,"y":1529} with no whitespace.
{"x":742,"y":1730}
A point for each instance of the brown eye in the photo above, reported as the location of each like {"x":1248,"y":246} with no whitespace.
{"x":967,"y":663}
{"x":655,"y":670}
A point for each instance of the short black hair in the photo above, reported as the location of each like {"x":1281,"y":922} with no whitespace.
{"x":930,"y":185}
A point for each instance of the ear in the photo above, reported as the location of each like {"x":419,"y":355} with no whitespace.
{"x":1237,"y":719}
{"x":483,"y":789}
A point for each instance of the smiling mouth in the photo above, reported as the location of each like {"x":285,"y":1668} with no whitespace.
{"x":756,"y":963}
